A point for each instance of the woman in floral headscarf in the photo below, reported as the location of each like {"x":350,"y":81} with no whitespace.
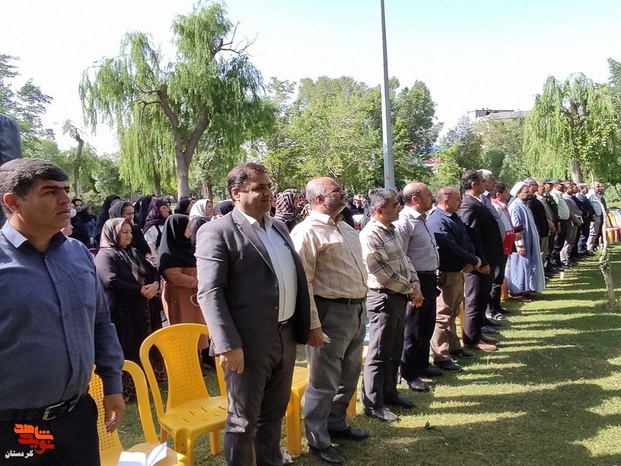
{"x":287,"y":207}
{"x":159,"y":210}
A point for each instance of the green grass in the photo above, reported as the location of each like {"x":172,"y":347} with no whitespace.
{"x":551,"y":395}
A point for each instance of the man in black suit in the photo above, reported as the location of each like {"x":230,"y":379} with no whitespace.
{"x":485,"y":234}
{"x":254,"y":296}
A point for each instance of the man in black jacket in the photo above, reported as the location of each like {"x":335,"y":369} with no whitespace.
{"x":485,"y":234}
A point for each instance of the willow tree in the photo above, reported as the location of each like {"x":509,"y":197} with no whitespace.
{"x":571,"y":129}
{"x":162,"y":109}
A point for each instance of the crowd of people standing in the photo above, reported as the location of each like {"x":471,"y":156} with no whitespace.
{"x":265,"y":272}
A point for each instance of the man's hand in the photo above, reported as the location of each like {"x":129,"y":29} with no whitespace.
{"x":114,"y":410}
{"x":521,"y":250}
{"x":484,"y":269}
{"x":467,"y":268}
{"x":416,"y":299}
{"x":315,"y":337}
{"x":519,"y":236}
{"x":233,"y":360}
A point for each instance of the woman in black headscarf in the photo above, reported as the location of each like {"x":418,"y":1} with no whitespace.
{"x":177,"y":265}
{"x":103,"y":215}
{"x":125,"y":209}
{"x":222,"y":208}
{"x":184,"y":205}
{"x":131,"y":285}
{"x":141,"y":210}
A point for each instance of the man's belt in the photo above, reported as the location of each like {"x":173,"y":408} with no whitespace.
{"x":424,"y":272}
{"x":387,"y":291}
{"x":342,"y":300}
{"x":36,"y":414}
{"x":284,"y":324}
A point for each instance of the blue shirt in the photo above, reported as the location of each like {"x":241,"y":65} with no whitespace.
{"x":454,"y":244}
{"x":54,"y":323}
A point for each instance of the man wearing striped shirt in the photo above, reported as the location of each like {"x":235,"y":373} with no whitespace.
{"x":332,"y":259}
{"x":392,"y":283}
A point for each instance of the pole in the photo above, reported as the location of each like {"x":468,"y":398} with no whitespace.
{"x":389,"y":168}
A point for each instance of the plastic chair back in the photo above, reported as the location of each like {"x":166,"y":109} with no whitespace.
{"x":190,"y":410}
{"x":178,"y":345}
{"x":110,"y":446}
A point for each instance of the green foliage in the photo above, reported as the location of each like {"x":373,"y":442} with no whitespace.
{"x":209,"y":98}
{"x":503,"y":148}
{"x":26,"y":105}
{"x":572,"y":130}
{"x":333,"y":128}
{"x":449,"y":168}
{"x":414,"y":133}
{"x":468,"y":145}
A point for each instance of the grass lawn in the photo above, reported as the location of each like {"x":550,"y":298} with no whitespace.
{"x":551,"y":394}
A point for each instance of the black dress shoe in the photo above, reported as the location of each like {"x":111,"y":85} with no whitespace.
{"x":430,"y":371}
{"x":328,"y":455}
{"x":490,"y":321}
{"x":400,"y":401}
{"x":462,"y":353}
{"x":349,"y":434}
{"x":419,"y":385}
{"x":448,"y":365}
{"x":383,"y":414}
{"x":489,"y":330}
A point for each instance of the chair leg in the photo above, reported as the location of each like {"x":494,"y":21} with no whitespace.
{"x":294,"y":425}
{"x":351,"y":408}
{"x":214,"y":442}
{"x":182,"y":442}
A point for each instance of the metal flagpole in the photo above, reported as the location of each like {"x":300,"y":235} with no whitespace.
{"x":389,"y":169}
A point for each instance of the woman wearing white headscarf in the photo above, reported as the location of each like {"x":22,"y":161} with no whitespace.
{"x":201,"y":213}
{"x":526,"y":270}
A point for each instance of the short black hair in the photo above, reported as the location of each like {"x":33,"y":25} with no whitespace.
{"x":469,"y":177}
{"x":238,"y":177}
{"x":20,"y":175}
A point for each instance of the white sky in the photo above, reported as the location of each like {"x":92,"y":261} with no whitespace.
{"x":470,"y":53}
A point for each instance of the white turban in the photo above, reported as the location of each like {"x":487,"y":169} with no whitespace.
{"x":517,"y":187}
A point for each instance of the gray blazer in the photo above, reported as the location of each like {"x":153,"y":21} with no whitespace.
{"x":238,"y":289}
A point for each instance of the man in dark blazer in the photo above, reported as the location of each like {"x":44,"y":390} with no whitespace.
{"x":483,"y":230}
{"x":254,"y":296}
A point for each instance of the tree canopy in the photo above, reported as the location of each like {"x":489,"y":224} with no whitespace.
{"x":571,"y":129}
{"x":162,"y":109}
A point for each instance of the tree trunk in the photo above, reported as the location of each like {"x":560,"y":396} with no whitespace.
{"x":207,"y":190}
{"x":76,"y":167}
{"x":576,"y":170}
{"x":607,"y":273}
{"x":157,"y":183}
{"x":183,"y":180}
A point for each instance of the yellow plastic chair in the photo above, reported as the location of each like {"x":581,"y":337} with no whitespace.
{"x":351,"y":408}
{"x":110,"y":446}
{"x":190,"y":410}
{"x":613,"y":231}
{"x":294,"y":411}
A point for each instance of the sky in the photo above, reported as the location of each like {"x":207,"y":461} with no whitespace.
{"x":471,"y":54}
